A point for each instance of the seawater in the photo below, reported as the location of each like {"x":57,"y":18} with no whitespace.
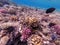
{"x":43,"y":4}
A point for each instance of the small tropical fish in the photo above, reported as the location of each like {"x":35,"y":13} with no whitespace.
{"x":50,"y":10}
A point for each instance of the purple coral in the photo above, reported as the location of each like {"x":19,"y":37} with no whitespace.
{"x":25,"y":34}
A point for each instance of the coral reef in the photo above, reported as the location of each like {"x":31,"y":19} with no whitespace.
{"x":28,"y":26}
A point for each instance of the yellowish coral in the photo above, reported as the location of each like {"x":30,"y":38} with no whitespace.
{"x":14,"y":18}
{"x":35,"y":40}
{"x":7,"y":24}
{"x":57,"y":42}
{"x":4,"y":40}
{"x":30,"y":20}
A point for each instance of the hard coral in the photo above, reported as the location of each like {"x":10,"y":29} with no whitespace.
{"x":4,"y":40}
{"x":36,"y":26}
{"x":33,"y":23}
{"x":25,"y":34}
{"x":34,"y":40}
{"x":3,"y":10}
{"x":30,"y":20}
{"x":57,"y":29}
{"x":14,"y":18}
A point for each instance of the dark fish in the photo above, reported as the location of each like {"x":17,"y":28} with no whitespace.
{"x":50,"y":10}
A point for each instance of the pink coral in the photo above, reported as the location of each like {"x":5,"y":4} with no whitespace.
{"x":57,"y":29}
{"x":2,"y":10}
{"x":25,"y":34}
